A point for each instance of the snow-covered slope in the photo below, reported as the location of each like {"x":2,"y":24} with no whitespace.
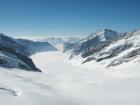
{"x":14,"y":52}
{"x":12,"y":43}
{"x":99,"y":38}
{"x":102,"y":35}
{"x":9,"y":58}
{"x":64,"y":82}
{"x":107,"y":45}
{"x":35,"y":47}
{"x":24,"y":46}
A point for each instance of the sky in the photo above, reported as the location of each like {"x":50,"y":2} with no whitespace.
{"x":67,"y":17}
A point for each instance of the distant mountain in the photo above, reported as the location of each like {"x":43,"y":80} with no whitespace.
{"x":59,"y":40}
{"x":14,"y":52}
{"x":107,"y":45}
{"x":12,"y":43}
{"x":24,"y":46}
{"x":99,"y":38}
{"x":34,"y":47}
{"x":52,"y":40}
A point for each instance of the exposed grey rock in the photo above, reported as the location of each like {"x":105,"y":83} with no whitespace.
{"x":106,"y":44}
{"x":130,"y":56}
{"x":14,"y":53}
{"x":9,"y":58}
{"x":35,"y":47}
{"x":11,"y":43}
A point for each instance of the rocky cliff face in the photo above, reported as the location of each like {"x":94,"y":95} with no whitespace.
{"x":35,"y":47}
{"x":9,"y":58}
{"x":107,"y":45}
{"x":14,"y":53}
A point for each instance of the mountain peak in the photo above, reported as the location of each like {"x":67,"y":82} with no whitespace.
{"x":104,"y":35}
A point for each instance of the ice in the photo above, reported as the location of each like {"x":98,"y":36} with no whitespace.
{"x":64,"y":82}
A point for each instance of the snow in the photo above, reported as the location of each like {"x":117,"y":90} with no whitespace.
{"x":64,"y":82}
{"x":134,"y":39}
{"x":103,"y":35}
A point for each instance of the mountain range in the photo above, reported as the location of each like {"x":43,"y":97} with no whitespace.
{"x":59,"y":40}
{"x":108,"y":46}
{"x":15,"y":53}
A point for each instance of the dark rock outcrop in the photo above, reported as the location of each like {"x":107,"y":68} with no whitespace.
{"x":18,"y":60}
{"x":107,"y":45}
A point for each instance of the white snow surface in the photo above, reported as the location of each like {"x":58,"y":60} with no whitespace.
{"x":64,"y":82}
